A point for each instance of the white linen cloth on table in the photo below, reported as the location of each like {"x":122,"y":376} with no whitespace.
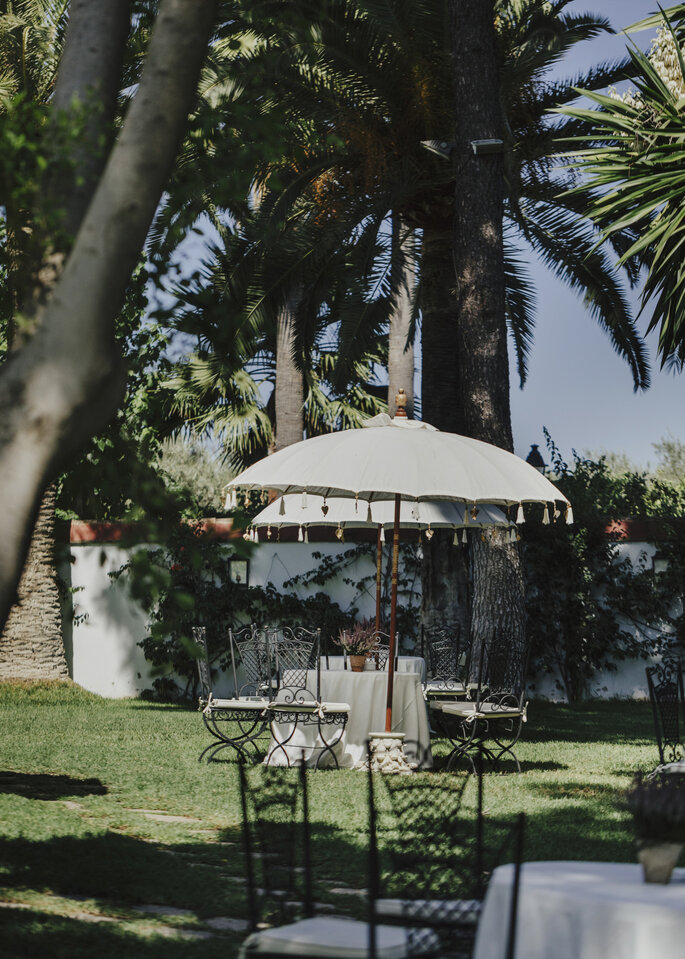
{"x":583,"y":910}
{"x":366,"y":694}
{"x":405,"y":664}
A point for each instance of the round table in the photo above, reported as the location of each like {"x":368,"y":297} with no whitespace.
{"x":365,"y":693}
{"x":584,"y":910}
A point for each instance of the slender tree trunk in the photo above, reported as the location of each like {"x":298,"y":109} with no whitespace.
{"x":31,"y":646}
{"x":67,"y":380}
{"x":400,"y":348}
{"x":289,"y":388}
{"x":497,"y":596}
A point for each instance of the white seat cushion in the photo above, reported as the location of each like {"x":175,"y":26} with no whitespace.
{"x":309,"y":706}
{"x":335,"y":707}
{"x":253,"y":702}
{"x":458,"y":911}
{"x":328,"y":936}
{"x":484,"y":711}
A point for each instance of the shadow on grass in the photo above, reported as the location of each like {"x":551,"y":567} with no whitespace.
{"x":48,"y":786}
{"x":42,"y":934}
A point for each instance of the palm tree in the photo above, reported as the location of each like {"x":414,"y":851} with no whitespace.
{"x":629,"y":151}
{"x":31,"y":38}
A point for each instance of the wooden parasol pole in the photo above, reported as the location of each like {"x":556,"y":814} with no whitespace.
{"x":379,"y":574}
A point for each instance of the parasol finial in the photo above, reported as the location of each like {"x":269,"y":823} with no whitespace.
{"x":400,"y":403}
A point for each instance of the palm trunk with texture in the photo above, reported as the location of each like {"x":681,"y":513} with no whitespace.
{"x":289,"y":388}
{"x":444,"y":571}
{"x":497,"y":596}
{"x":31,"y":645}
{"x":401,"y":355}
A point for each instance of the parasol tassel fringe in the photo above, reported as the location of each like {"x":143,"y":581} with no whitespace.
{"x":464,"y":537}
{"x":382,"y":534}
{"x":569,"y":515}
{"x":306,"y":534}
{"x":304,"y":499}
{"x":520,"y":518}
{"x":281,"y":508}
{"x":300,"y":535}
{"x":369,"y":517}
{"x":545,"y":516}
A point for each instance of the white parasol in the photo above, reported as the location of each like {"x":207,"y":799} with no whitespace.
{"x":400,"y":459}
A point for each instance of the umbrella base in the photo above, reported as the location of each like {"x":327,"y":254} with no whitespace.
{"x":386,"y":752}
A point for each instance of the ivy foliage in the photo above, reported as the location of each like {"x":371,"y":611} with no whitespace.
{"x":590,"y":606}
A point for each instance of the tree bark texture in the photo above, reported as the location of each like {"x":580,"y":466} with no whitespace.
{"x":31,"y":645}
{"x":400,"y":349}
{"x":66,"y":382}
{"x":289,"y":387}
{"x":497,"y":597}
{"x":88,"y":80}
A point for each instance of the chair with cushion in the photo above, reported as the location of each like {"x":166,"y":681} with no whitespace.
{"x":240,"y":723}
{"x":430,"y":857}
{"x":492,"y":719}
{"x":446,"y":662}
{"x":665,"y":684}
{"x":300,"y":719}
{"x":277,"y":841}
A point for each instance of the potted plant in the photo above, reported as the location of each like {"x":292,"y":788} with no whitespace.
{"x":657,"y":804}
{"x":358,"y":641}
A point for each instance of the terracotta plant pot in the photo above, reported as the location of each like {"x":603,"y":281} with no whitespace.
{"x":658,"y":858}
{"x":357,"y":663}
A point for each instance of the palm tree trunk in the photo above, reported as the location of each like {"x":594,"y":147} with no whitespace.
{"x":289,"y":388}
{"x":31,"y":645}
{"x":400,"y":351}
{"x":497,"y":597}
{"x":444,"y":571}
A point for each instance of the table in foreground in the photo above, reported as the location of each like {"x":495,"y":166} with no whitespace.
{"x":584,"y":910}
{"x":365,"y":693}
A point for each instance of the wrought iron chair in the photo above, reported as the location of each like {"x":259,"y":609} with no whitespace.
{"x":429,"y":863}
{"x":241,"y":722}
{"x":380,"y":653}
{"x":277,"y":844}
{"x":493,"y":718}
{"x":665,"y":684}
{"x":446,"y":662}
{"x":297,"y":709}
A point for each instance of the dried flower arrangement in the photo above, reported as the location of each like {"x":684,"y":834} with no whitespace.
{"x":658,"y":807}
{"x":359,"y":640}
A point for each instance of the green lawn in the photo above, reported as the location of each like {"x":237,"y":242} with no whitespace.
{"x":105,"y":809}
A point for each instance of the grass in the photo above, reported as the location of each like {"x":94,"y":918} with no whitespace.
{"x":104,"y":810}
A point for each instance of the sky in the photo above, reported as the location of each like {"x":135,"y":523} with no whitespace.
{"x":577,"y":387}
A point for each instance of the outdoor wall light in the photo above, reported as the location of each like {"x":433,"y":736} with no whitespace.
{"x":441,"y":147}
{"x":659,"y":563}
{"x":535,"y":459}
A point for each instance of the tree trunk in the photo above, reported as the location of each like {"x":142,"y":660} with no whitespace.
{"x":31,"y":646}
{"x":400,"y":351}
{"x":289,"y":387}
{"x":444,"y":571}
{"x":497,"y":596}
{"x":67,"y":380}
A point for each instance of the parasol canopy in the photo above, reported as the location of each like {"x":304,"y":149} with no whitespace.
{"x":398,"y":456}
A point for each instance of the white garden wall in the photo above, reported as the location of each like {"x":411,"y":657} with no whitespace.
{"x":106,"y":659}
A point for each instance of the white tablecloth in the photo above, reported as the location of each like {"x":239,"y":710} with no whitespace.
{"x":365,"y":692}
{"x":405,"y":664}
{"x":584,"y":910}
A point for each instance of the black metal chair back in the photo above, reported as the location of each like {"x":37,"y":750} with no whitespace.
{"x":276,"y":843}
{"x":665,"y":684}
{"x":446,"y":660}
{"x":425,"y":856}
{"x":379,"y":654}
{"x":295,"y":664}
{"x":203,"y":668}
{"x":502,"y":667}
{"x":250,"y":650}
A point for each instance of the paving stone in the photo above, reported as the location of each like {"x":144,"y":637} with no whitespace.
{"x":163,"y":910}
{"x":224,"y":922}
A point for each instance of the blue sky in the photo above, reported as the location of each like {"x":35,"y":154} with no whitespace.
{"x":577,"y":387}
